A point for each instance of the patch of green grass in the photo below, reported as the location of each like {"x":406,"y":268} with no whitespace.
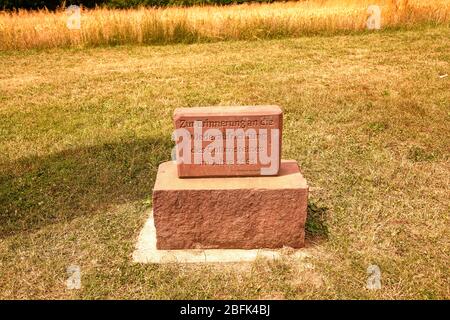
{"x":377,"y":126}
{"x":316,"y":221}
{"x":366,"y":116}
{"x":418,"y":154}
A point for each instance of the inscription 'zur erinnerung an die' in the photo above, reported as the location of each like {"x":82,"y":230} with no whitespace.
{"x":228,"y":141}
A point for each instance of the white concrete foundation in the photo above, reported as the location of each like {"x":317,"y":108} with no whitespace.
{"x":146,"y":252}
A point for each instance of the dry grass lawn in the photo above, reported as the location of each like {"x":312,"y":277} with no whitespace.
{"x":82,"y":132}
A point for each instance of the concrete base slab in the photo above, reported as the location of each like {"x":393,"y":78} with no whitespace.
{"x":146,"y":251}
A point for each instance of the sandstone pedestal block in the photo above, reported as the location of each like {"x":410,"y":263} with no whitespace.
{"x":233,"y":212}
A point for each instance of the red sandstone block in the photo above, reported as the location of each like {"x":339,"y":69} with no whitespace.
{"x":235,"y":212}
{"x":255,"y":122}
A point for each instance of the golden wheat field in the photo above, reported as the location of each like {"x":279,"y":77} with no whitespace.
{"x":44,"y":29}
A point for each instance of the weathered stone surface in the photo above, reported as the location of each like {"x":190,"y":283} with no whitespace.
{"x":146,"y":252}
{"x":244,"y":212}
{"x":254,"y":121}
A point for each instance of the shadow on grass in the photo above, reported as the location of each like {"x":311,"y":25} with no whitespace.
{"x":316,"y":227}
{"x":38,"y":191}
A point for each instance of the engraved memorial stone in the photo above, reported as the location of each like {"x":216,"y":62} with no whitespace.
{"x":227,"y":187}
{"x":228,"y":141}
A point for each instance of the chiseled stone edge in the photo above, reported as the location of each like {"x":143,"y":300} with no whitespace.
{"x":146,"y":252}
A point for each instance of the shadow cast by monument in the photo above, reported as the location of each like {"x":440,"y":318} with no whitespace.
{"x":38,"y":191}
{"x":316,"y":222}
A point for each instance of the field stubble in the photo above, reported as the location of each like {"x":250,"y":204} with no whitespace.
{"x":44,"y":29}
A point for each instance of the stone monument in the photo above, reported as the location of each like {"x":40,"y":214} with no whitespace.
{"x":228,"y":187}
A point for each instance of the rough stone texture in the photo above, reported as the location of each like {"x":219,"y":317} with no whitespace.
{"x":244,"y":212}
{"x":223,"y":118}
{"x":146,"y":252}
